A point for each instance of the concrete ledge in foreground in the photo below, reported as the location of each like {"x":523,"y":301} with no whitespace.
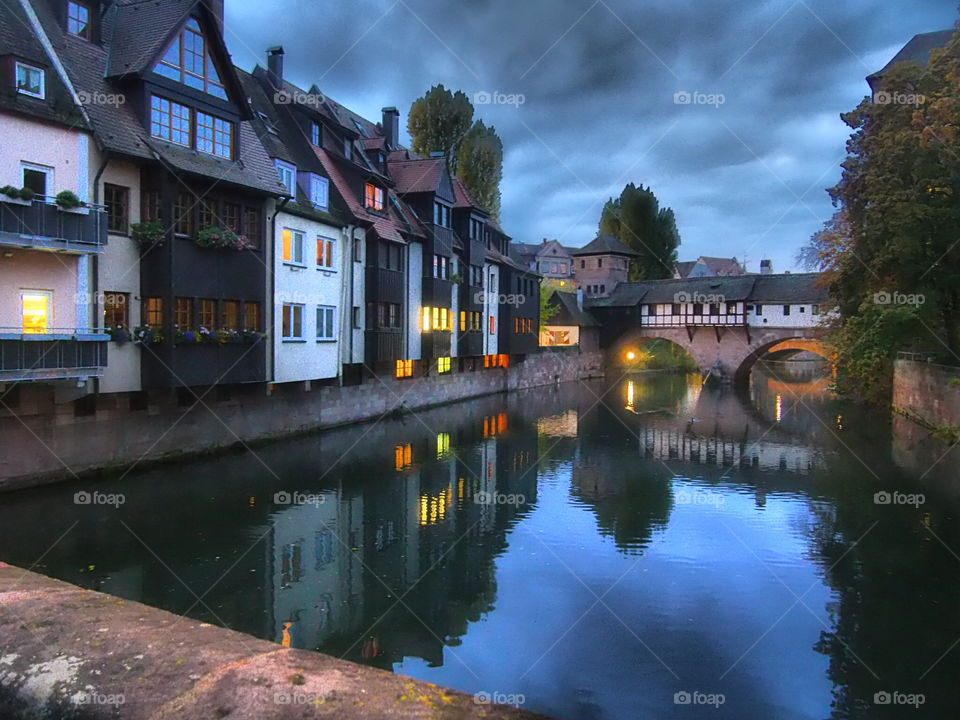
{"x":66,"y":652}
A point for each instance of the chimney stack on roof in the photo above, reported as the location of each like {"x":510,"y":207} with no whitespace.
{"x":216,"y":9}
{"x":766,"y":267}
{"x":391,"y":126}
{"x":275,"y":66}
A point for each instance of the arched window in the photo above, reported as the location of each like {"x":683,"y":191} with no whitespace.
{"x":188,"y":60}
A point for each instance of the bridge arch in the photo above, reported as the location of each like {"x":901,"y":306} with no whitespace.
{"x":799,"y":344}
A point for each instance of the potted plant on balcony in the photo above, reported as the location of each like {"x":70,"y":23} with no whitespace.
{"x":215,"y":237}
{"x":146,"y":335}
{"x":251,"y":336}
{"x":21,"y":196}
{"x":118,"y":334}
{"x":68,"y":201}
{"x":148,"y":233}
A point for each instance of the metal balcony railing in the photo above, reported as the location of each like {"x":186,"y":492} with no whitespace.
{"x":42,"y":224}
{"x":56,"y":353}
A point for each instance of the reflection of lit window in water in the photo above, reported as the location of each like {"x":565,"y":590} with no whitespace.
{"x":494,"y":425}
{"x":839,"y":422}
{"x":433,"y":508}
{"x":631,"y":390}
{"x":403,"y":456}
{"x":443,"y":445}
{"x":779,"y":410}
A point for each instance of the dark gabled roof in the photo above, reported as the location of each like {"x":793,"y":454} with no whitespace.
{"x":605,"y":245}
{"x":19,"y":39}
{"x":684,"y":267}
{"x":498,"y":258}
{"x":141,"y":29}
{"x":789,"y":288}
{"x":918,"y":49}
{"x":464,"y":199}
{"x":720,"y":266}
{"x":570,"y":312}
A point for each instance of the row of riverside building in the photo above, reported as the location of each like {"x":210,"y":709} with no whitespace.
{"x":168,"y":220}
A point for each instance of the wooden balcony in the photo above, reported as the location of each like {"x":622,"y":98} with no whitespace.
{"x":40,"y":224}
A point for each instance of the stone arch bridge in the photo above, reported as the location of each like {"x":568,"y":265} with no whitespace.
{"x":725,"y":323}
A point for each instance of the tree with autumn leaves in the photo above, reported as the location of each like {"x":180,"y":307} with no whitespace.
{"x":891,"y":253}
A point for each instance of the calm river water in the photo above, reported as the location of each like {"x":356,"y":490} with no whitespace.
{"x":644,"y":548}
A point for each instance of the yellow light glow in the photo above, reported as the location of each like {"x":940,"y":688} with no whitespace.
{"x":631,"y":391}
{"x":563,"y":283}
{"x":443,"y":444}
{"x":425,"y":323}
{"x":36,"y":312}
{"x":631,"y":355}
{"x":779,"y":407}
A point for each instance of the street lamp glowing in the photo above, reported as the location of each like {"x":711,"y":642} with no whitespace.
{"x":631,"y":355}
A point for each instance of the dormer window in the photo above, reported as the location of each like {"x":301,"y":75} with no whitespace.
{"x":315,"y":134}
{"x":188,"y":61}
{"x":374,"y":197}
{"x":78,"y":20}
{"x":441,"y":214}
{"x":288,"y":176}
{"x":348,"y":149}
{"x":30,"y":80}
{"x":319,"y":191}
{"x":360,"y":128}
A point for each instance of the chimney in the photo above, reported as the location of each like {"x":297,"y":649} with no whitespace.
{"x":275,"y":66}
{"x":216,"y":9}
{"x":391,"y":126}
{"x":766,"y":267}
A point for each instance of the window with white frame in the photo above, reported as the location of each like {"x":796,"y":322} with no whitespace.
{"x":292,"y":321}
{"x":326,"y":322}
{"x":30,"y":80}
{"x":78,"y":20}
{"x":38,"y":178}
{"x":319,"y":191}
{"x":293,"y":246}
{"x":326,"y":253}
{"x":288,"y":176}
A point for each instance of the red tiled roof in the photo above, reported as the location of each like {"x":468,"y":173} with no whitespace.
{"x":391,"y":227}
{"x":464,"y":198}
{"x":412,"y":176}
{"x":374,"y":143}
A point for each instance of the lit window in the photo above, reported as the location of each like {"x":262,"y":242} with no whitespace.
{"x":319,"y":191}
{"x":183,"y":313}
{"x":188,"y":61}
{"x":208,"y":313}
{"x":288,"y":176}
{"x":493,"y":325}
{"x":292,"y":246}
{"x":78,"y":20}
{"x":326,"y":323}
{"x":214,"y":135}
{"x":443,"y":365}
{"x":37,"y":310}
{"x":374,"y":197}
{"x":292,"y":322}
{"x":153,"y":312}
{"x":30,"y":80}
{"x":326,"y":253}
{"x":443,"y":444}
{"x":404,"y":368}
{"x":230,"y":315}
{"x":116,"y":309}
{"x":169,"y":121}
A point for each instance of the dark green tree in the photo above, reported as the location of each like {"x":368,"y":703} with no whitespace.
{"x":438,"y":121}
{"x":637,"y":220}
{"x":480,"y":165}
{"x":891,"y":253}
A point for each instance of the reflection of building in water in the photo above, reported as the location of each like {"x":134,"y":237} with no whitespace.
{"x":316,"y":574}
{"x":682,"y":446}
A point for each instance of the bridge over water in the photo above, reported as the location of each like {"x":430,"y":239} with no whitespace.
{"x":725,"y":323}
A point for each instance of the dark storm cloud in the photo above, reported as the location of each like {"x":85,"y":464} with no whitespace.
{"x":599,"y":80}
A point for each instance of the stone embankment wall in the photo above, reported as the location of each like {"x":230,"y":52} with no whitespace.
{"x":925,"y":398}
{"x":43,"y":447}
{"x":66,"y":652}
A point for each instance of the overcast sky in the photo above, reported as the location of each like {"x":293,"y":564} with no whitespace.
{"x":745,"y":177}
